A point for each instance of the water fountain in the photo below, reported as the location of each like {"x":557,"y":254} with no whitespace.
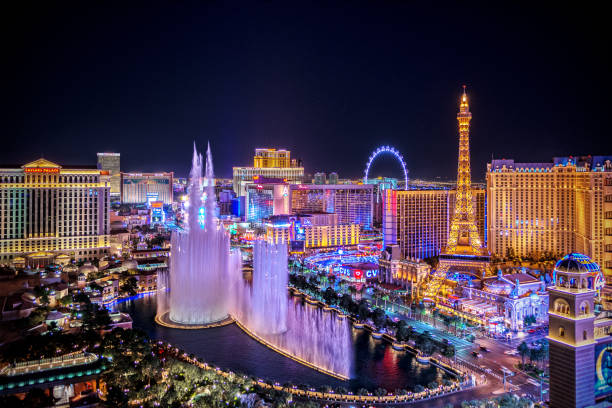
{"x":201,"y":261}
{"x":269,"y":298}
{"x":302,"y":332}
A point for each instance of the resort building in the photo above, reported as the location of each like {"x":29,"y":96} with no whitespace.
{"x":354,"y":203}
{"x":310,"y":231}
{"x":500,"y":302}
{"x":557,"y":207}
{"x":144,"y":188}
{"x":267,"y":198}
{"x":418,"y":219}
{"x":47,"y":210}
{"x":111,"y":162}
{"x":268,"y":163}
{"x":62,"y":377}
{"x":404,"y":272}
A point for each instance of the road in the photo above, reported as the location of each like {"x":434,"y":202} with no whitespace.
{"x":491,"y":365}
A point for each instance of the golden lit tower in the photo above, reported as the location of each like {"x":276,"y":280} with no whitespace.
{"x":464,"y":251}
{"x":463,"y":228}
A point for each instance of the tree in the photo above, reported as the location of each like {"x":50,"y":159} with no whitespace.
{"x":363,"y":310}
{"x":523,"y":350}
{"x":435,"y":314}
{"x":95,"y":287}
{"x":449,"y":351}
{"x":37,"y":398}
{"x":380,"y":392}
{"x":130,"y":286}
{"x":378,"y":316}
{"x":66,"y":300}
{"x":529,"y":320}
{"x":329,"y":296}
{"x":37,"y":316}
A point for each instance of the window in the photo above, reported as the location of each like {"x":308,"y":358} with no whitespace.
{"x":561,"y":331}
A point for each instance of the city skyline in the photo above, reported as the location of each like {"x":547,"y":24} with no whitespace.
{"x":320,"y":89}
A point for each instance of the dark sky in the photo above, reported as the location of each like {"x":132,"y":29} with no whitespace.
{"x":331,"y":81}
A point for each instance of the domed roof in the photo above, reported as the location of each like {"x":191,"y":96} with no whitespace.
{"x":130,"y":264}
{"x":497,"y":286}
{"x":88,"y":268}
{"x":54,"y":315}
{"x":29,"y":297}
{"x":70,"y":268}
{"x":576,"y":263}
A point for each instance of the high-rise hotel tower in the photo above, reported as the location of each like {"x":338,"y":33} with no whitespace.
{"x":268,"y":164}
{"x":557,"y":207}
{"x":47,"y":210}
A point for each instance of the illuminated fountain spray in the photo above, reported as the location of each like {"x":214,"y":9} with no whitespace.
{"x":300,"y":330}
{"x":270,"y":276}
{"x":201,"y":261}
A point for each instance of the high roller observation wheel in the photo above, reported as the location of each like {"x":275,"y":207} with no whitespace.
{"x":394,"y":152}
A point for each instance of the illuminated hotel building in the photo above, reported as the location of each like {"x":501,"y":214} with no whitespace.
{"x":268,"y":163}
{"x":558,"y":207}
{"x":418,"y":220}
{"x":266,"y":199}
{"x":111,"y":162}
{"x":141,"y":188}
{"x":47,"y":209}
{"x":354,"y":203}
{"x":319,"y":230}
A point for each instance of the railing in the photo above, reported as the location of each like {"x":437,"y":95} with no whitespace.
{"x":67,"y":360}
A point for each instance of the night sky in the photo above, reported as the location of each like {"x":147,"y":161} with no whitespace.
{"x":328,"y":82}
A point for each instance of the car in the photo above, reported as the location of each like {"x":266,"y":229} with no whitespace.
{"x":510,"y":352}
{"x":488,"y":370}
{"x":476,"y":354}
{"x":531,"y":331}
{"x":483,"y":348}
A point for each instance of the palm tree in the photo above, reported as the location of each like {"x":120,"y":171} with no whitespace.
{"x":524,"y":351}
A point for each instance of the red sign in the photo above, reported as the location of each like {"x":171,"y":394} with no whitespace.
{"x":41,"y":170}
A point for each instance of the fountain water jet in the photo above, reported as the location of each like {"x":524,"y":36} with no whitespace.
{"x":201,"y":260}
{"x":265,"y":310}
{"x":270,"y":278}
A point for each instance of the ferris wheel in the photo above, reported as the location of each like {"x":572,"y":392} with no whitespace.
{"x":394,"y":152}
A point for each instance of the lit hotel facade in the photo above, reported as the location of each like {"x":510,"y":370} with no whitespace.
{"x":316,"y":230}
{"x":418,"y":220}
{"x":142,"y":188}
{"x":354,"y":203}
{"x":111,"y":162}
{"x":558,"y":207}
{"x":47,"y":210}
{"x":267,"y":164}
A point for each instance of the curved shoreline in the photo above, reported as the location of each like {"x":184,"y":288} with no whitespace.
{"x":288,"y":355}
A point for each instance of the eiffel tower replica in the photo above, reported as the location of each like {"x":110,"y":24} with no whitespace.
{"x":464,"y":251}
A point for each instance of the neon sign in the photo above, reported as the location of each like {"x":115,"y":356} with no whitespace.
{"x":41,"y":170}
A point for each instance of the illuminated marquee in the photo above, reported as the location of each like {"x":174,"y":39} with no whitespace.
{"x":41,"y":170}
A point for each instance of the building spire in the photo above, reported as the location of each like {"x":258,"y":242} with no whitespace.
{"x":464,"y":107}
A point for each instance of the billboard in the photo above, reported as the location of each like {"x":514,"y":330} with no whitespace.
{"x":603,"y":370}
